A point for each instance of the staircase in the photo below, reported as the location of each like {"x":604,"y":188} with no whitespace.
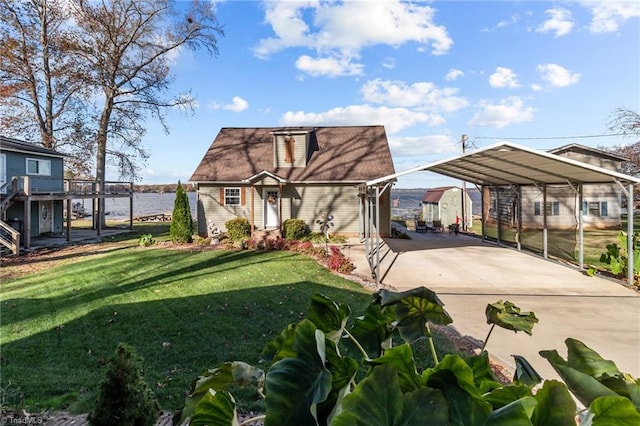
{"x":9,"y":237}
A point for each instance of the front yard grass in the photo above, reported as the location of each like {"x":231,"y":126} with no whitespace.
{"x":183,"y":310}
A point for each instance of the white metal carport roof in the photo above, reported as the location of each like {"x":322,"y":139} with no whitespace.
{"x":505,"y":164}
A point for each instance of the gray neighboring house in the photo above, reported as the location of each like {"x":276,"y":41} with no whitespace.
{"x":444,"y":204}
{"x":268,"y":175}
{"x":35,"y":198}
{"x":601,"y":203}
{"x":41,"y":171}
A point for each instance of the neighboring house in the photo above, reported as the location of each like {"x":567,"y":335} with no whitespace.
{"x":35,"y":197}
{"x":268,"y":175}
{"x":444,"y":204}
{"x":601,"y":203}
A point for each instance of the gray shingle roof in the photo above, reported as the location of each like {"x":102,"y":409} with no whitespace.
{"x":11,"y":144}
{"x":355,"y":153}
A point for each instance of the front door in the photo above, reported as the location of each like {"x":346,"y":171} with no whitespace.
{"x":271,"y":208}
{"x":45,"y":212}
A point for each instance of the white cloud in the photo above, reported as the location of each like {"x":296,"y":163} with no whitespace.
{"x":421,"y":95}
{"x":505,"y":113}
{"x":504,"y":23}
{"x":454,"y":74}
{"x":341,"y":29}
{"x":559,"y":22}
{"x":536,"y":87}
{"x":422,"y":145}
{"x":504,"y":77}
{"x":394,"y":119}
{"x":609,"y":15}
{"x":237,"y":105}
{"x":331,"y":67}
{"x":388,"y":63}
{"x":557,"y":76}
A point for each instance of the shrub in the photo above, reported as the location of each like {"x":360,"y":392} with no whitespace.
{"x":181,"y":222}
{"x":295,"y":229}
{"x":201,"y":241}
{"x":238,"y":229}
{"x":125,"y":398}
{"x":338,"y":262}
{"x":146,"y":240}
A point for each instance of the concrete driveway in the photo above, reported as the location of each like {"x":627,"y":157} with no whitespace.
{"x":468,"y":274}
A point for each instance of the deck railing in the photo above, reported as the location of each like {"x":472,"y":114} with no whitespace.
{"x":34,"y":185}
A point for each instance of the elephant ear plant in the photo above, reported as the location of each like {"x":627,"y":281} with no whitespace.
{"x":307,"y":378}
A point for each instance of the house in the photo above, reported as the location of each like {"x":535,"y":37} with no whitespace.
{"x":35,"y":198}
{"x":268,"y":175}
{"x":445,"y":204}
{"x":601,"y":203}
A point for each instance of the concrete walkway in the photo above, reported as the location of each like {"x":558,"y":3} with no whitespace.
{"x":468,"y":274}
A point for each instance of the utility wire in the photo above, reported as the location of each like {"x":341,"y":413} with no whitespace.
{"x":553,"y":137}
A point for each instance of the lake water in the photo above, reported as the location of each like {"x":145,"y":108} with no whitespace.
{"x":408,"y":204}
{"x":143,"y":204}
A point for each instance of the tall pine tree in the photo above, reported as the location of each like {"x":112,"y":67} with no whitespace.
{"x":181,"y":222}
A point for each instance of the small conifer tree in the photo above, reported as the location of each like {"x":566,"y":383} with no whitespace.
{"x":181,"y":228}
{"x":125,"y":398}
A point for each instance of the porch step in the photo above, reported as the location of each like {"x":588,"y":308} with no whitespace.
{"x":266,"y":234}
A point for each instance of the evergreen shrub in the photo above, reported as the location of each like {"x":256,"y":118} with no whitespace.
{"x":181,"y":228}
{"x":125,"y":399}
{"x":295,"y":229}
{"x":238,"y":229}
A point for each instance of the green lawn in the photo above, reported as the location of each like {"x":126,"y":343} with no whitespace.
{"x":184,"y":311}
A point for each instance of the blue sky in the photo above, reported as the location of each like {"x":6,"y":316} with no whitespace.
{"x":428,"y":71}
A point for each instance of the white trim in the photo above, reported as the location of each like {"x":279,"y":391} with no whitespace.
{"x":3,"y":172}
{"x":232,"y":196}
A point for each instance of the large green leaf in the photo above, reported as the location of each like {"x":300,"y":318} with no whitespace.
{"x":555,"y":405}
{"x":614,"y":411}
{"x":343,"y":371}
{"x":500,"y":397}
{"x":401,"y":357}
{"x":584,"y":387}
{"x":281,"y":346}
{"x":294,"y":386}
{"x":525,"y":373}
{"x":414,"y":308}
{"x":507,"y":315}
{"x":483,"y":376}
{"x":588,"y":361}
{"x":373,"y":328}
{"x":215,"y":409}
{"x":377,"y":400}
{"x":455,"y":379}
{"x":328,"y":316}
{"x":517,"y":413}
{"x":218,"y":379}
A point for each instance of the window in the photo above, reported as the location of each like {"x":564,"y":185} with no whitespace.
{"x":38,"y":167}
{"x":289,"y":149}
{"x":552,"y":208}
{"x":595,"y":208}
{"x":232,"y":196}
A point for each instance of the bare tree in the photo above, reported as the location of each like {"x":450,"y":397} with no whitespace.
{"x":626,"y":123}
{"x":128,"y":46}
{"x":43,"y":93}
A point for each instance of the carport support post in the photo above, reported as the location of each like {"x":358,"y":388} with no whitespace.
{"x":545,"y":245}
{"x":499,"y":233}
{"x":378,"y":235}
{"x":580,"y":229}
{"x":630,"y":206}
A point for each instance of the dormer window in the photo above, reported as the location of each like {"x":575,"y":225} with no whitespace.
{"x":289,"y":149}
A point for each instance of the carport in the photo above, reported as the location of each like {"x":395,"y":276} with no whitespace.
{"x":506,"y":165}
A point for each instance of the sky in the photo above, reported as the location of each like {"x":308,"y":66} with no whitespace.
{"x":536,"y":73}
